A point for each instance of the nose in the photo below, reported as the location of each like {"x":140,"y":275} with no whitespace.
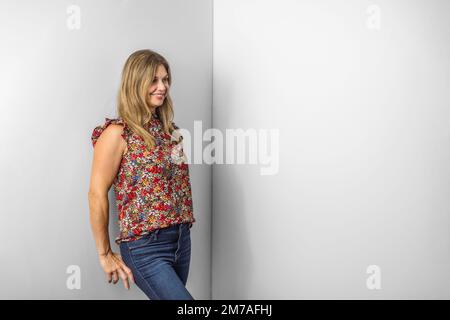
{"x":161,"y":86}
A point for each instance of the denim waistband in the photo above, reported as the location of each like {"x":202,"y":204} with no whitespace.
{"x":177,"y":226}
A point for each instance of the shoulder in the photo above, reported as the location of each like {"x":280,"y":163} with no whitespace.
{"x":111,"y":129}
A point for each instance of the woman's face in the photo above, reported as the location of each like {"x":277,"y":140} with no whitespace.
{"x":159,"y":87}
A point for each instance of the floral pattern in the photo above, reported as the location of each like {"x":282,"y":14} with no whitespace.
{"x":152,"y":187}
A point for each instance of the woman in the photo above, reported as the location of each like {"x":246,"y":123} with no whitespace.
{"x":138,"y":152}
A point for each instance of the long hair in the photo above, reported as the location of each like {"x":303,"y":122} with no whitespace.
{"x":133,"y":102}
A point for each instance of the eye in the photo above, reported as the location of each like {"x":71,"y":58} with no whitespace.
{"x":165,"y":80}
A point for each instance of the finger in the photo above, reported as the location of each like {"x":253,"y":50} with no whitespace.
{"x":128,"y":272}
{"x":124,"y":277}
{"x":109,"y":277}
{"x":126,"y":269}
{"x":115,"y":277}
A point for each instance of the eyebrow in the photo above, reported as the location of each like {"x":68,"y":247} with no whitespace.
{"x":166,"y":76}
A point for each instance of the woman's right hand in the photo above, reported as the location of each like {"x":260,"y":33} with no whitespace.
{"x":113,"y":266}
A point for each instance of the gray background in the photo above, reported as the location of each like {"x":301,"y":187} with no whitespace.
{"x":57,"y":85}
{"x":364,"y":128}
{"x":364,"y":124}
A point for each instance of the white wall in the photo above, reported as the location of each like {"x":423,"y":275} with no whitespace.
{"x":364,"y":128}
{"x":364,"y":124}
{"x":57,"y":84}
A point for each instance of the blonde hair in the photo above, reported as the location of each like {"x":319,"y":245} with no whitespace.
{"x":133,"y":103}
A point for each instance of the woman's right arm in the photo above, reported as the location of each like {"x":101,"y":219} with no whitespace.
{"x":108,"y":152}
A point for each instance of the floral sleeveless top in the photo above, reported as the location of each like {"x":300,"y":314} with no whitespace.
{"x":152,"y":188}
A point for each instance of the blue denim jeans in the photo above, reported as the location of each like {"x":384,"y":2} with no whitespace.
{"x":160,"y":262}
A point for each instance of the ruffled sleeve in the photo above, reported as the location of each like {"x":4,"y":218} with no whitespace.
{"x":175,"y":126}
{"x":99,"y":129}
{"x":176,"y":134}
